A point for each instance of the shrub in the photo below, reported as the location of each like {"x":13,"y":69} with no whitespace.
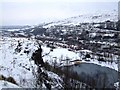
{"x":2,"y":77}
{"x":11,"y":79}
{"x":87,"y":56}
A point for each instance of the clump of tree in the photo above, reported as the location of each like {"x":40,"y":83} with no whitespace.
{"x":42,"y":78}
{"x":9,"y":79}
{"x":101,"y":59}
{"x":26,"y":51}
{"x":19,"y":48}
{"x":2,"y":77}
{"x":41,"y":75}
{"x":87,"y":56}
{"x":37,"y":57}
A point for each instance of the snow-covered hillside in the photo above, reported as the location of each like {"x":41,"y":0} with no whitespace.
{"x":18,"y":64}
{"x":5,"y":84}
{"x":87,"y":18}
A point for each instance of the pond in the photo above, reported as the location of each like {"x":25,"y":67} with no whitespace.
{"x":103,"y":76}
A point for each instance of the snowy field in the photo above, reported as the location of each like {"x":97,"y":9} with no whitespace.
{"x":5,"y":84}
{"x":19,"y":64}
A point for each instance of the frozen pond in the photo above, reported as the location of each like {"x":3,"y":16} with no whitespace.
{"x":100,"y":74}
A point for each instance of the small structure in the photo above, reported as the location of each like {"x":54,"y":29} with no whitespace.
{"x":76,"y":62}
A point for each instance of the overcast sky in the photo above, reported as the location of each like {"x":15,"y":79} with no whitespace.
{"x":31,"y":12}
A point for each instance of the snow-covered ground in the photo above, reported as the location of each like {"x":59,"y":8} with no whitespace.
{"x":5,"y":84}
{"x":17,"y":65}
{"x":87,"y":18}
{"x":20,"y":66}
{"x":60,"y":55}
{"x":117,"y":85}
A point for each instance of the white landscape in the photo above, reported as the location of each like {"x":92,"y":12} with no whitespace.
{"x":74,"y":48}
{"x":20,"y":66}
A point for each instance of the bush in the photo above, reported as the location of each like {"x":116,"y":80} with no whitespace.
{"x":87,"y":56}
{"x":19,"y":48}
{"x":11,"y":79}
{"x":2,"y":77}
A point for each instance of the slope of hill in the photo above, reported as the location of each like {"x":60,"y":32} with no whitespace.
{"x":87,"y":18}
{"x":6,"y":85}
{"x":16,"y":62}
